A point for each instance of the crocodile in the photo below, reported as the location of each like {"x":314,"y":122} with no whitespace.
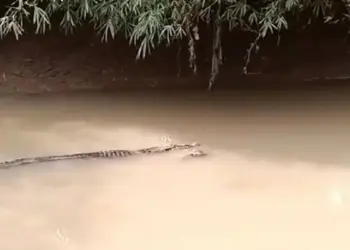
{"x":109,"y":154}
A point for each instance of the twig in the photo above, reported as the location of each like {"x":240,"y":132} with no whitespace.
{"x":248,"y":55}
{"x":217,"y":49}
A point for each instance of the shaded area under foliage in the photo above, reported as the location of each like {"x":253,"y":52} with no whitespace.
{"x":209,"y":34}
{"x":55,"y":62}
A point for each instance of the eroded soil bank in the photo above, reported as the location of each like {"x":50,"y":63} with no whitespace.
{"x":55,"y":63}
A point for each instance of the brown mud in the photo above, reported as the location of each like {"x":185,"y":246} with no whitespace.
{"x":55,"y":63}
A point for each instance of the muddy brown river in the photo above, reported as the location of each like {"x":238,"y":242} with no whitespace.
{"x":276,"y":175}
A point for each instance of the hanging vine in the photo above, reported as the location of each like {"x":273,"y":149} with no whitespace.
{"x":216,"y":60}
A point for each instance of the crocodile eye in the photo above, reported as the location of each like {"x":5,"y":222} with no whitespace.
{"x":166,"y":139}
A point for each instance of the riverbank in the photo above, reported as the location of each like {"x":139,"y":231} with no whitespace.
{"x":56,"y":63}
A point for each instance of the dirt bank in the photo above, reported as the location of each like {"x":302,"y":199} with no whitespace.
{"x":56,"y":62}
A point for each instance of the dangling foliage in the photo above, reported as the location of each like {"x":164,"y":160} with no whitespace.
{"x":149,"y":23}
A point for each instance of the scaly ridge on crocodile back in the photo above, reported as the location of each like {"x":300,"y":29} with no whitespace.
{"x":95,"y":155}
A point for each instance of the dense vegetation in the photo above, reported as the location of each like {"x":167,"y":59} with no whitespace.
{"x":150,"y":23}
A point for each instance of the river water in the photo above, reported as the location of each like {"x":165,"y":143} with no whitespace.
{"x":276,"y":175}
